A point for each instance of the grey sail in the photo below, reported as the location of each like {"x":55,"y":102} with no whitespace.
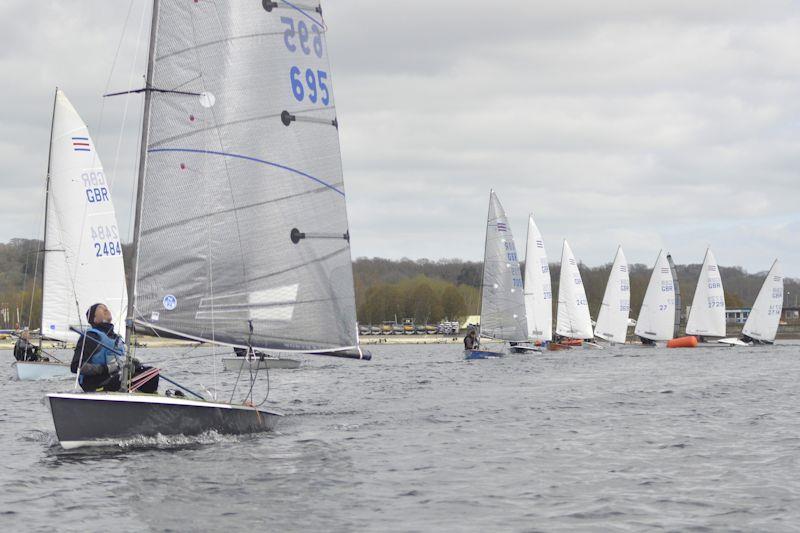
{"x":242,"y":218}
{"x":502,"y":296}
{"x":676,"y":285}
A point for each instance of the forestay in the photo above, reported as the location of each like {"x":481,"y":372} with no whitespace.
{"x":612,"y":321}
{"x":538,"y":290}
{"x":83,"y":256}
{"x":657,"y":314}
{"x":762,"y":323}
{"x":707,"y":314}
{"x":502,"y":302}
{"x":242,"y":217}
{"x":573,"y":308}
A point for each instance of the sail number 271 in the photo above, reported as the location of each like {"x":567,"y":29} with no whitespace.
{"x":308,"y":84}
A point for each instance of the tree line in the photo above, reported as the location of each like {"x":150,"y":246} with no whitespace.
{"x":423,"y":290}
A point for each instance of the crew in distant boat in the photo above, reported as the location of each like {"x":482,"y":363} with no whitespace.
{"x":24,"y":350}
{"x":100,"y":366}
{"x":471,"y":341}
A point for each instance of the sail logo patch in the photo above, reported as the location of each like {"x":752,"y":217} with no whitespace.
{"x":81,"y":144}
{"x":170,"y":302}
{"x":502,"y":226}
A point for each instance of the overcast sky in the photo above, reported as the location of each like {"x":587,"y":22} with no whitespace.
{"x":671,"y":124}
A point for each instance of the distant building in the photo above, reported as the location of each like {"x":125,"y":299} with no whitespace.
{"x":790,"y":314}
{"x":737,"y":316}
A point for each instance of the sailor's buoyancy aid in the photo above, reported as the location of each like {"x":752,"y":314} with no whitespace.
{"x":108,"y":346}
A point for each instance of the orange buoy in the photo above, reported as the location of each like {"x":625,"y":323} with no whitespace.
{"x":683,"y":342}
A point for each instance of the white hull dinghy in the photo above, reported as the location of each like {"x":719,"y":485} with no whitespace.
{"x":36,"y":370}
{"x":573,"y":322}
{"x":707,"y":314}
{"x":612,"y":321}
{"x":538,"y":291}
{"x":241,"y":235}
{"x":235,"y":364}
{"x":657,"y":315}
{"x":81,"y":266}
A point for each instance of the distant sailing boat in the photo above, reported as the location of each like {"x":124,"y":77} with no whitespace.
{"x":82,"y":253}
{"x":678,"y":303}
{"x":241,"y":235}
{"x":538,"y":290}
{"x":707,"y":314}
{"x":761,"y":325}
{"x":502,"y":300}
{"x":657,"y":315}
{"x":612,"y":321}
{"x":573,"y":324}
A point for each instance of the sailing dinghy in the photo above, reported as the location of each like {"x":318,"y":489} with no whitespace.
{"x":82,"y":252}
{"x":241,"y":236}
{"x":657,"y":314}
{"x":574,"y":324}
{"x":612,"y":321}
{"x":538,"y":291}
{"x":502,"y":301}
{"x":761,"y":325}
{"x":707,"y":314}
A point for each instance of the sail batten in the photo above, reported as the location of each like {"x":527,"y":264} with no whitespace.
{"x":232,"y":168}
{"x":502,"y":299}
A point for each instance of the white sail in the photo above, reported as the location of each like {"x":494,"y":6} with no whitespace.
{"x":657,"y":315}
{"x":538,"y":290}
{"x":612,"y":321}
{"x":502,"y":302}
{"x":83,"y":256}
{"x":762,"y":323}
{"x":707,"y":315}
{"x":573,"y":308}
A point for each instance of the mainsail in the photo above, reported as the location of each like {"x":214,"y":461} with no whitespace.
{"x":242,"y":233}
{"x":83,"y":256}
{"x":657,"y":315}
{"x":762,"y":323}
{"x":502,"y":302}
{"x":573,"y":308}
{"x":612,"y":321}
{"x":707,"y":314}
{"x":538,"y":291}
{"x":677,"y":286}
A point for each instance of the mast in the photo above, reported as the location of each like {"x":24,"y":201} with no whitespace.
{"x":129,"y":327}
{"x":483,"y":270}
{"x":46,"y":206}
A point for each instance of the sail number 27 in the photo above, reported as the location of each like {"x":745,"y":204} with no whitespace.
{"x":309,"y":84}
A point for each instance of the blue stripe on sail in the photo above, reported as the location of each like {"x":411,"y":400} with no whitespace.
{"x":312,"y":19}
{"x":248,"y":158}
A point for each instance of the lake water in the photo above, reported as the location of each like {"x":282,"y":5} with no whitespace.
{"x":621,"y":439}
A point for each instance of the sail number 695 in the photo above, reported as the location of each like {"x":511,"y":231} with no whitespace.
{"x":312,"y":85}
